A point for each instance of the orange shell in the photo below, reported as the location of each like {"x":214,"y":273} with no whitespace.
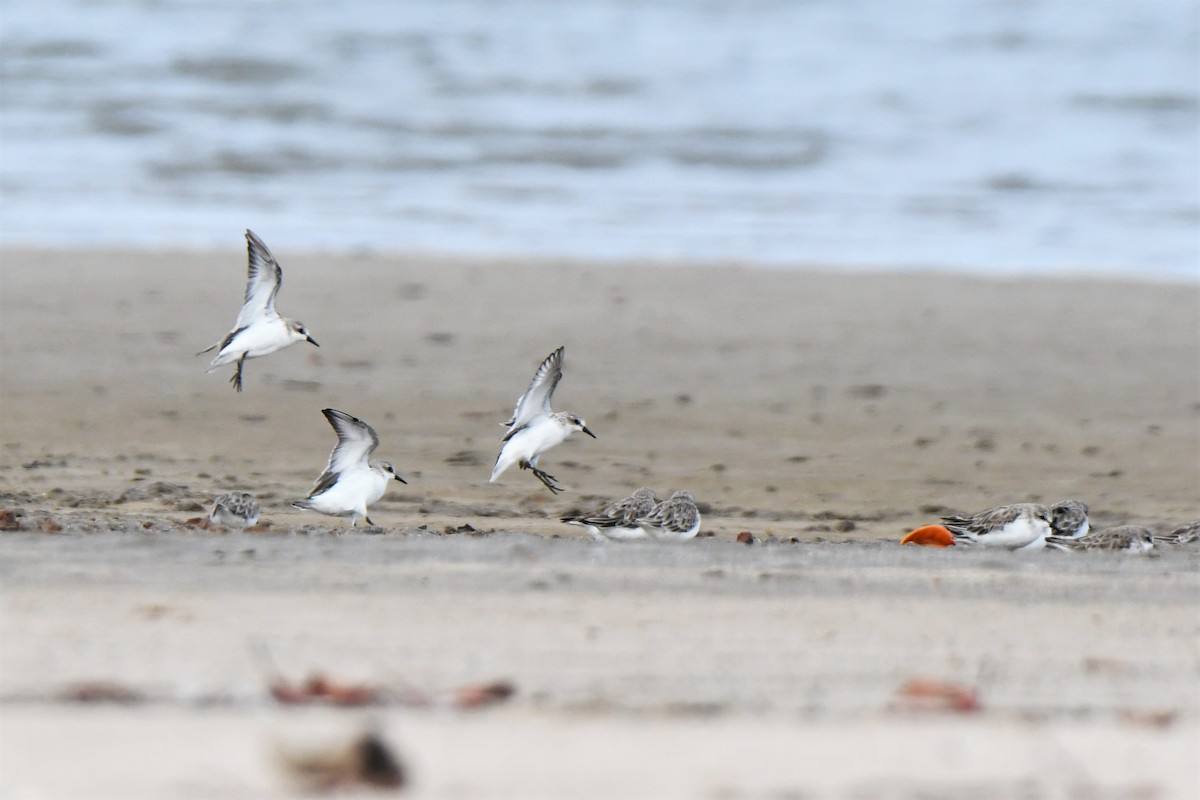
{"x":930,"y":536}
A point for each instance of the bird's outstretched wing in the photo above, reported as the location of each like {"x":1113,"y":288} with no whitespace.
{"x":263,"y":279}
{"x":536,"y":399}
{"x":356,"y":441}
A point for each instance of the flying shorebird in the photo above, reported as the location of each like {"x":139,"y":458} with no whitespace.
{"x":350,"y":483}
{"x":259,"y":330}
{"x":674,"y":518}
{"x":236,"y":509}
{"x":1132,"y":538}
{"x":534,"y":428}
{"x":618,"y":520}
{"x":1021,"y":526}
{"x":1069,"y":519}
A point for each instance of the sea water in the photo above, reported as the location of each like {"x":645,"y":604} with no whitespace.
{"x":1041,"y":136}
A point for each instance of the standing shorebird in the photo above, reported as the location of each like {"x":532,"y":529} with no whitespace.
{"x":618,"y":520}
{"x":1021,"y":526}
{"x":258,"y":330}
{"x":1131,"y":538}
{"x":675,"y":518}
{"x":534,"y":428}
{"x":350,"y":483}
{"x":235,"y":510}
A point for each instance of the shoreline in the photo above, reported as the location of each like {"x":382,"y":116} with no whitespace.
{"x":1035,"y":274}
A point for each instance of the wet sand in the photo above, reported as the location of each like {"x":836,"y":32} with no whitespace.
{"x":826,"y":414}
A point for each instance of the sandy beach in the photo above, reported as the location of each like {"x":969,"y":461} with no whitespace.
{"x":824,"y":413}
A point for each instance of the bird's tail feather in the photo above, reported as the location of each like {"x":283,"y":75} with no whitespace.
{"x":499,"y":467}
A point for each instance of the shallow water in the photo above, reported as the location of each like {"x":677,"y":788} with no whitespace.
{"x":988,"y":135}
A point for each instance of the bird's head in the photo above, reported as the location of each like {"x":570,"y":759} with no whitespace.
{"x":1066,"y":517}
{"x":578,"y":424}
{"x":390,"y":470}
{"x":301,"y":332}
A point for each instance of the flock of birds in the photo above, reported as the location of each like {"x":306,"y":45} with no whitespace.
{"x":351,"y":481}
{"x":1033,"y":526}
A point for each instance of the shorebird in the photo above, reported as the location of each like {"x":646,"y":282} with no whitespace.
{"x":258,"y":330}
{"x":1021,"y":526}
{"x":1133,"y":538}
{"x":674,"y":518}
{"x":534,"y":428}
{"x":350,"y":483}
{"x":1184,"y":534}
{"x":1069,"y":519}
{"x":236,"y":509}
{"x":618,"y":520}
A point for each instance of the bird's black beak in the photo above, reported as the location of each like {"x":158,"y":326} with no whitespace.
{"x":312,"y":341}
{"x":584,"y":428}
{"x":397,"y":477}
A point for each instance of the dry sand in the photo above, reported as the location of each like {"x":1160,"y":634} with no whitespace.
{"x":834,"y":410}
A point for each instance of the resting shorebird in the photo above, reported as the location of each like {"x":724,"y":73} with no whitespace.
{"x":534,"y":428}
{"x":1069,"y":519}
{"x":1022,"y":526}
{"x":1184,"y":534}
{"x":259,"y":330}
{"x":350,"y":483}
{"x":236,"y":509}
{"x":674,"y":518}
{"x":618,"y":520}
{"x":1133,"y":538}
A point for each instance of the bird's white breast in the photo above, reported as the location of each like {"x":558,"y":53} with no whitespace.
{"x":354,"y":490}
{"x":537,"y":438}
{"x":1023,"y":533}
{"x":265,"y":335}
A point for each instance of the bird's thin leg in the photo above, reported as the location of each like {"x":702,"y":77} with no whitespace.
{"x":236,"y":380}
{"x":546,"y":478}
{"x":368,"y":519}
